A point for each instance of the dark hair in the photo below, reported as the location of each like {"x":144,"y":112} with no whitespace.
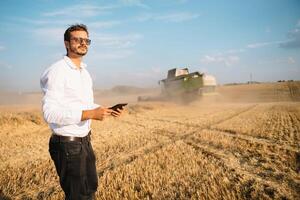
{"x":75,"y":27}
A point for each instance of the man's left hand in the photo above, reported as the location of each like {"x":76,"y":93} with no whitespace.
{"x":117,"y":113}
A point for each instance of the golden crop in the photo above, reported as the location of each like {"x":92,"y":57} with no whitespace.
{"x":230,"y":147}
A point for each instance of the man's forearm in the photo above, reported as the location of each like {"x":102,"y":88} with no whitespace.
{"x":98,"y":113}
{"x":87,"y":114}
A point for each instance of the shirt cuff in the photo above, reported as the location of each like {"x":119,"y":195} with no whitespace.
{"x":95,"y":106}
{"x":76,"y":116}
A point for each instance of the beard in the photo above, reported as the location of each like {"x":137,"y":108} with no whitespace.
{"x":80,"y":50}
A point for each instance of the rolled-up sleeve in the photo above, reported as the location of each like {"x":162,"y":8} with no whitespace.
{"x":95,"y":106}
{"x":54,"y":111}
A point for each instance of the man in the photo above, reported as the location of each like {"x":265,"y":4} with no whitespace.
{"x":68,"y":107}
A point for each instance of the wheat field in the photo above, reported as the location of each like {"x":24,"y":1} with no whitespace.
{"x":242,"y":143}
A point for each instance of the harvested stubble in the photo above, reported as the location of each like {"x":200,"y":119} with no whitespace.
{"x":166,"y":151}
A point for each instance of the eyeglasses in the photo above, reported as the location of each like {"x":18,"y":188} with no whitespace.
{"x":80,"y":40}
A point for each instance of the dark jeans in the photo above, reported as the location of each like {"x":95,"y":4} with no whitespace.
{"x":75,"y":165}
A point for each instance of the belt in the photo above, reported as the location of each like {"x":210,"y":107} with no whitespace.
{"x":59,"y":138}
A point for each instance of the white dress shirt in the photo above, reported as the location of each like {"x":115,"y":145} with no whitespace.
{"x":67,"y":92}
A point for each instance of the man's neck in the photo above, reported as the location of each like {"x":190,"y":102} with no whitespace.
{"x":76,"y":60}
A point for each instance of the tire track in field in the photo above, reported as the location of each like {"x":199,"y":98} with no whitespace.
{"x":198,"y":127}
{"x":288,"y":153}
{"x":255,"y":149}
{"x":130,"y":156}
{"x":285,"y":129}
{"x":229,"y":161}
{"x":269,"y":143}
{"x":253,"y":157}
{"x":201,"y":126}
{"x":265,"y":144}
{"x":278,"y":123}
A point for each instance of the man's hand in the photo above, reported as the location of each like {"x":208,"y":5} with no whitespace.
{"x":98,"y":113}
{"x":117,"y":113}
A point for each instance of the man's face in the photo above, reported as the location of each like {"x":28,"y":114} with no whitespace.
{"x":78,"y":44}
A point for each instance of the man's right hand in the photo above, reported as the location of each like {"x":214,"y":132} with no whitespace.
{"x":98,"y":113}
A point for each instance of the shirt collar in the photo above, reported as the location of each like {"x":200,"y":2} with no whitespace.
{"x":72,"y":65}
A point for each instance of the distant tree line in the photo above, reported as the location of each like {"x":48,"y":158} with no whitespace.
{"x":285,"y":81}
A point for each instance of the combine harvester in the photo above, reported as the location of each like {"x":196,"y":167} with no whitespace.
{"x":183,"y":86}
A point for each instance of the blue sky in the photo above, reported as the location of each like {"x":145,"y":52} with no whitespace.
{"x":135,"y":42}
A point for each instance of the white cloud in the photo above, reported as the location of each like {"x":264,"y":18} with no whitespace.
{"x":49,"y":36}
{"x":268,"y":30}
{"x":5,"y":65}
{"x":103,"y":24}
{"x":112,"y":47}
{"x":137,"y":3}
{"x":231,"y":51}
{"x":232,"y":60}
{"x":288,"y":60}
{"x":294,"y":40}
{"x":177,"y":17}
{"x":257,"y":45}
{"x":37,"y":21}
{"x":113,"y":55}
{"x":81,"y":11}
{"x":262,"y":44}
{"x":115,"y":41}
{"x":68,"y":21}
{"x":90,"y":10}
{"x":208,"y":59}
{"x":47,"y":22}
{"x":170,"y":17}
{"x":2,"y":48}
{"x":291,"y":60}
{"x":226,"y":60}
